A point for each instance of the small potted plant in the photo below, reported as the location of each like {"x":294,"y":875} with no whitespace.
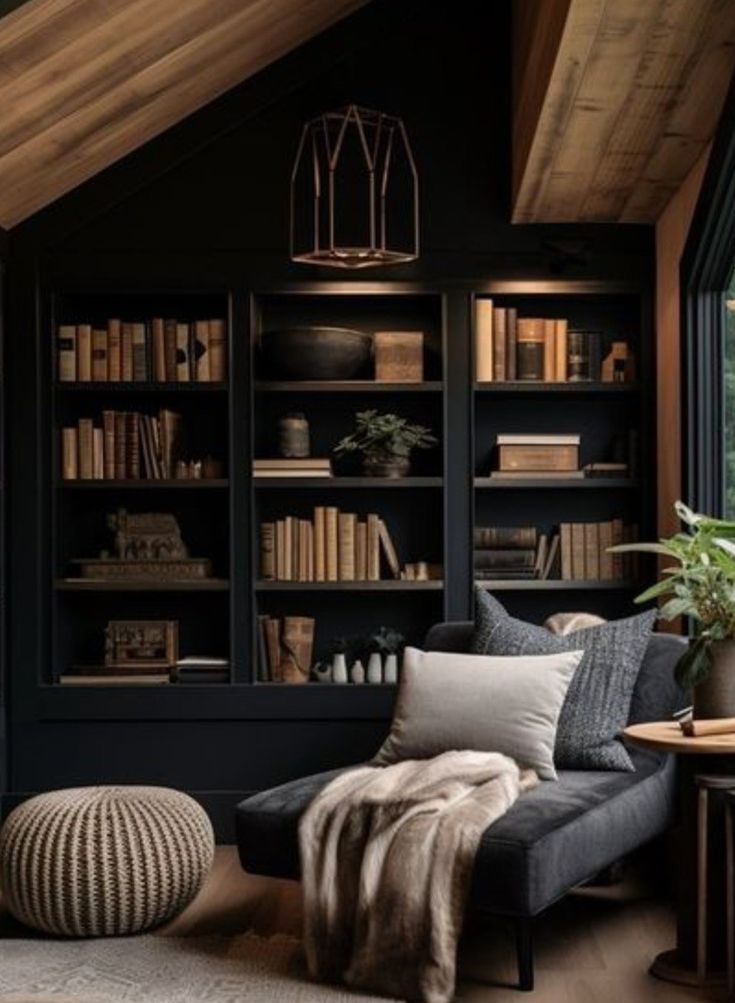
{"x":700,"y":584}
{"x":385,"y":442}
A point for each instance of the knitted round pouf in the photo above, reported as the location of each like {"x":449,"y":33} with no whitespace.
{"x":103,"y":861}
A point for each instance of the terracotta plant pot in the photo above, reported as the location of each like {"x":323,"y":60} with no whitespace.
{"x":386,"y":466}
{"x":715,"y":696}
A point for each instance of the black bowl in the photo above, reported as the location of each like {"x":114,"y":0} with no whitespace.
{"x":315,"y":353}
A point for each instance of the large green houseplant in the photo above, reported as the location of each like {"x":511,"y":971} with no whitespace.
{"x":700,"y":584}
{"x":385,"y":442}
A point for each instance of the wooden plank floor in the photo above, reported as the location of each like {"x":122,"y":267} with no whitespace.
{"x":593,"y":947}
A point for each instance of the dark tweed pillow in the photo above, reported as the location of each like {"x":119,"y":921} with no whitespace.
{"x":597,"y":703}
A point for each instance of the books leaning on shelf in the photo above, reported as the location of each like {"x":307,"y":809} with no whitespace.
{"x":532,"y":453}
{"x":585,"y":551}
{"x":131,"y":446}
{"x":515,"y":552}
{"x":160,"y":350}
{"x":301,"y":467}
{"x":543,"y":349}
{"x":334,"y":546}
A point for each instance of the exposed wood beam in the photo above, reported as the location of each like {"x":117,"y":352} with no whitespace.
{"x":631,"y":100}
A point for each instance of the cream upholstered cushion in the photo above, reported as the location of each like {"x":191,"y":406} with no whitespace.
{"x":103,"y":861}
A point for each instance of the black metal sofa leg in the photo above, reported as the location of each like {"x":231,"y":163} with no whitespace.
{"x":524,"y":951}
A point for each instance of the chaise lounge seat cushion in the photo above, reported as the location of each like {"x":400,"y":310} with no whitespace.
{"x":554,"y":837}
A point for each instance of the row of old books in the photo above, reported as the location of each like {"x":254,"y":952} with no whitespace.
{"x":161,"y":350}
{"x":334,"y":546}
{"x":127,"y":446}
{"x":585,"y":556}
{"x":515,"y":552}
{"x":543,"y":349}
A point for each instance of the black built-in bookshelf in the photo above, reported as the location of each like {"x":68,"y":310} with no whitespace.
{"x":430,"y":514}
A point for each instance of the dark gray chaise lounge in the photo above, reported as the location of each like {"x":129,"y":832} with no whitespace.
{"x":555,"y":837}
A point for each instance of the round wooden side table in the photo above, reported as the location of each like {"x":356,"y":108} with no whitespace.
{"x":704,"y":764}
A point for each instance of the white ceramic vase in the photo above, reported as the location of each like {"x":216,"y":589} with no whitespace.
{"x":390,"y":673}
{"x":357,"y":672}
{"x":323,"y":675}
{"x":375,"y":668}
{"x":339,"y":669}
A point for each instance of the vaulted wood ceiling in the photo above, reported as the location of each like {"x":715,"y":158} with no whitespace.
{"x":84,"y":82}
{"x":614,"y":102}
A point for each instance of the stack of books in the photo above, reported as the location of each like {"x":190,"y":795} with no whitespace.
{"x":585,"y":551}
{"x":130,"y":446}
{"x":201,"y":669}
{"x":514,"y":552}
{"x":538,"y":455}
{"x":301,"y":467}
{"x":163,"y":350}
{"x":333,"y":546}
{"x":544,"y":349}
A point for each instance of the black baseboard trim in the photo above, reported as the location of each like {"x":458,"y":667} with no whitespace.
{"x":219,"y":805}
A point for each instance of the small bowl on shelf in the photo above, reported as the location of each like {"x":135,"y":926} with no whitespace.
{"x":315,"y":353}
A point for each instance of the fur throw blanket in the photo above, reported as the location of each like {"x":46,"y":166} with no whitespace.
{"x":386,"y":856}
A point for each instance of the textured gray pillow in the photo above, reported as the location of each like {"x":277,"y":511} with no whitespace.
{"x":450,"y":701}
{"x":598,"y":700}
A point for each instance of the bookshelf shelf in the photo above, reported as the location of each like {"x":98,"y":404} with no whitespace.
{"x":329,"y":483}
{"x":583,"y":483}
{"x":528,"y":388}
{"x":387,"y":585}
{"x":81,"y":585}
{"x":347,"y":387}
{"x":144,"y":484}
{"x":553,"y":585}
{"x":141,"y":388}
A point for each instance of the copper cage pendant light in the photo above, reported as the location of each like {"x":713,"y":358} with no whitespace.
{"x":354,"y":191}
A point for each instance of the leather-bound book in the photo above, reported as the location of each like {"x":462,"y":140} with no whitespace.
{"x":507,"y":559}
{"x":565,"y":537}
{"x":560,"y":342}
{"x":539,"y":457}
{"x":320,"y":544}
{"x":289,"y":571}
{"x":132,"y":446}
{"x":511,"y":342}
{"x":108,"y":429}
{"x":201,"y":350}
{"x":297,"y":645}
{"x":99,"y":355}
{"x":66,"y":344}
{"x":169,"y":348}
{"x":69,"y":454}
{"x":505,"y":537}
{"x":549,"y":350}
{"x":267,"y":551}
{"x":264,"y":674}
{"x":280,"y":549}
{"x":578,"y":551}
{"x":332,"y":543}
{"x":373,"y":548}
{"x":591,"y":551}
{"x":98,"y":454}
{"x":346,"y":544}
{"x":183,"y":368}
{"x":361,"y":551}
{"x":530,"y":348}
{"x":140,"y":360}
{"x":85,"y":440}
{"x":114,"y":350}
{"x":606,"y":559}
{"x":273,"y":646}
{"x":120,"y":443}
{"x":217,"y":350}
{"x":483,"y":340}
{"x":158,"y":340}
{"x":618,"y":533}
{"x":499,"y":344}
{"x":84,"y":353}
{"x":389,"y":550}
{"x":126,"y":352}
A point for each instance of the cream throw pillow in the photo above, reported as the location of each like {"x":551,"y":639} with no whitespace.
{"x":486,"y":703}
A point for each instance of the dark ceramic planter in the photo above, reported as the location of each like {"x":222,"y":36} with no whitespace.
{"x":715,"y":696}
{"x":386,"y":466}
{"x":315,"y":353}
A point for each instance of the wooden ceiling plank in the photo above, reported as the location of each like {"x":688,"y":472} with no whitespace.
{"x":604,"y":90}
{"x":94,"y":136}
{"x":681,"y":26}
{"x":691,"y":124}
{"x":577,"y":41}
{"x":99,"y":61}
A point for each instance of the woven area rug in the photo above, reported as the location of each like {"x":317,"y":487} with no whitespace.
{"x":152,"y":969}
